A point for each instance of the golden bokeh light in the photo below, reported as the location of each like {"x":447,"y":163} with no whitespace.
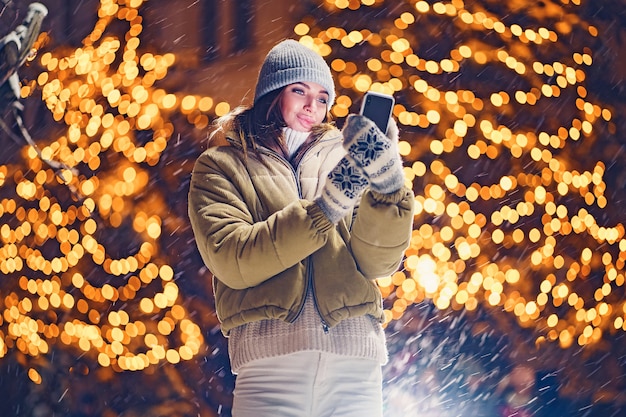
{"x":74,"y":88}
{"x":463,"y":222}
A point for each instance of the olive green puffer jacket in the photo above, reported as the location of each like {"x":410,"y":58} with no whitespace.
{"x":266,"y":243}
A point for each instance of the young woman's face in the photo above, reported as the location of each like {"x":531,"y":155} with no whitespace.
{"x":303,"y":105}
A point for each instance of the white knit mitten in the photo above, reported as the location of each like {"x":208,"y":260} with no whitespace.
{"x":343,"y":186}
{"x":375,"y":152}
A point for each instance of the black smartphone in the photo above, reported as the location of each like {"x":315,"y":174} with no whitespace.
{"x":378,"y":108}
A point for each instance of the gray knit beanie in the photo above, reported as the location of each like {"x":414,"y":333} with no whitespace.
{"x":289,"y":62}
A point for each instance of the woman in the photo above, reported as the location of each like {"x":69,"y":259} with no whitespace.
{"x":275,"y":220}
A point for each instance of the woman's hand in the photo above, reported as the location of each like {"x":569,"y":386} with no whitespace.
{"x":344,"y":185}
{"x":376,"y":153}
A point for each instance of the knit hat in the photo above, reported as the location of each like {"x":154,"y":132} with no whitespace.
{"x":289,"y":62}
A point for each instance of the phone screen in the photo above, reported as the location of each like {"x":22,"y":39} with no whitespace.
{"x":377,"y":108}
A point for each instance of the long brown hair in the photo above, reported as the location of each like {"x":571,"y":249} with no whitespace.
{"x":262,"y":124}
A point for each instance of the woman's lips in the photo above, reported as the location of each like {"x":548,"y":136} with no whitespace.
{"x":306,"y":120}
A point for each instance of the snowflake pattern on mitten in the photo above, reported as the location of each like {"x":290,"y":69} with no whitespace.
{"x":343,"y":187}
{"x":368,"y":148}
{"x":348,"y":178}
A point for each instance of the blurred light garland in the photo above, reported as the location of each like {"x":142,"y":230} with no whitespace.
{"x":463,"y":226}
{"x":104,"y":93}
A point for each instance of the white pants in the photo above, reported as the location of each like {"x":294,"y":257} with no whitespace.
{"x":309,"y":384}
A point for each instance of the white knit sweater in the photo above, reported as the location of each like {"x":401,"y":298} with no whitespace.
{"x":358,"y":337}
{"x":294,"y":139}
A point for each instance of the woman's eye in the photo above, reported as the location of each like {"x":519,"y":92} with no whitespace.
{"x":323,"y":100}
{"x":298,"y":91}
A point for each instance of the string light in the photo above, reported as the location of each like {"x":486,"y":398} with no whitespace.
{"x":452,"y":261}
{"x":106,"y":107}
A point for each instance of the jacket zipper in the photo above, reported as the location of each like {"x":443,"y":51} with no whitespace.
{"x":309,"y":278}
{"x":309,"y":265}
